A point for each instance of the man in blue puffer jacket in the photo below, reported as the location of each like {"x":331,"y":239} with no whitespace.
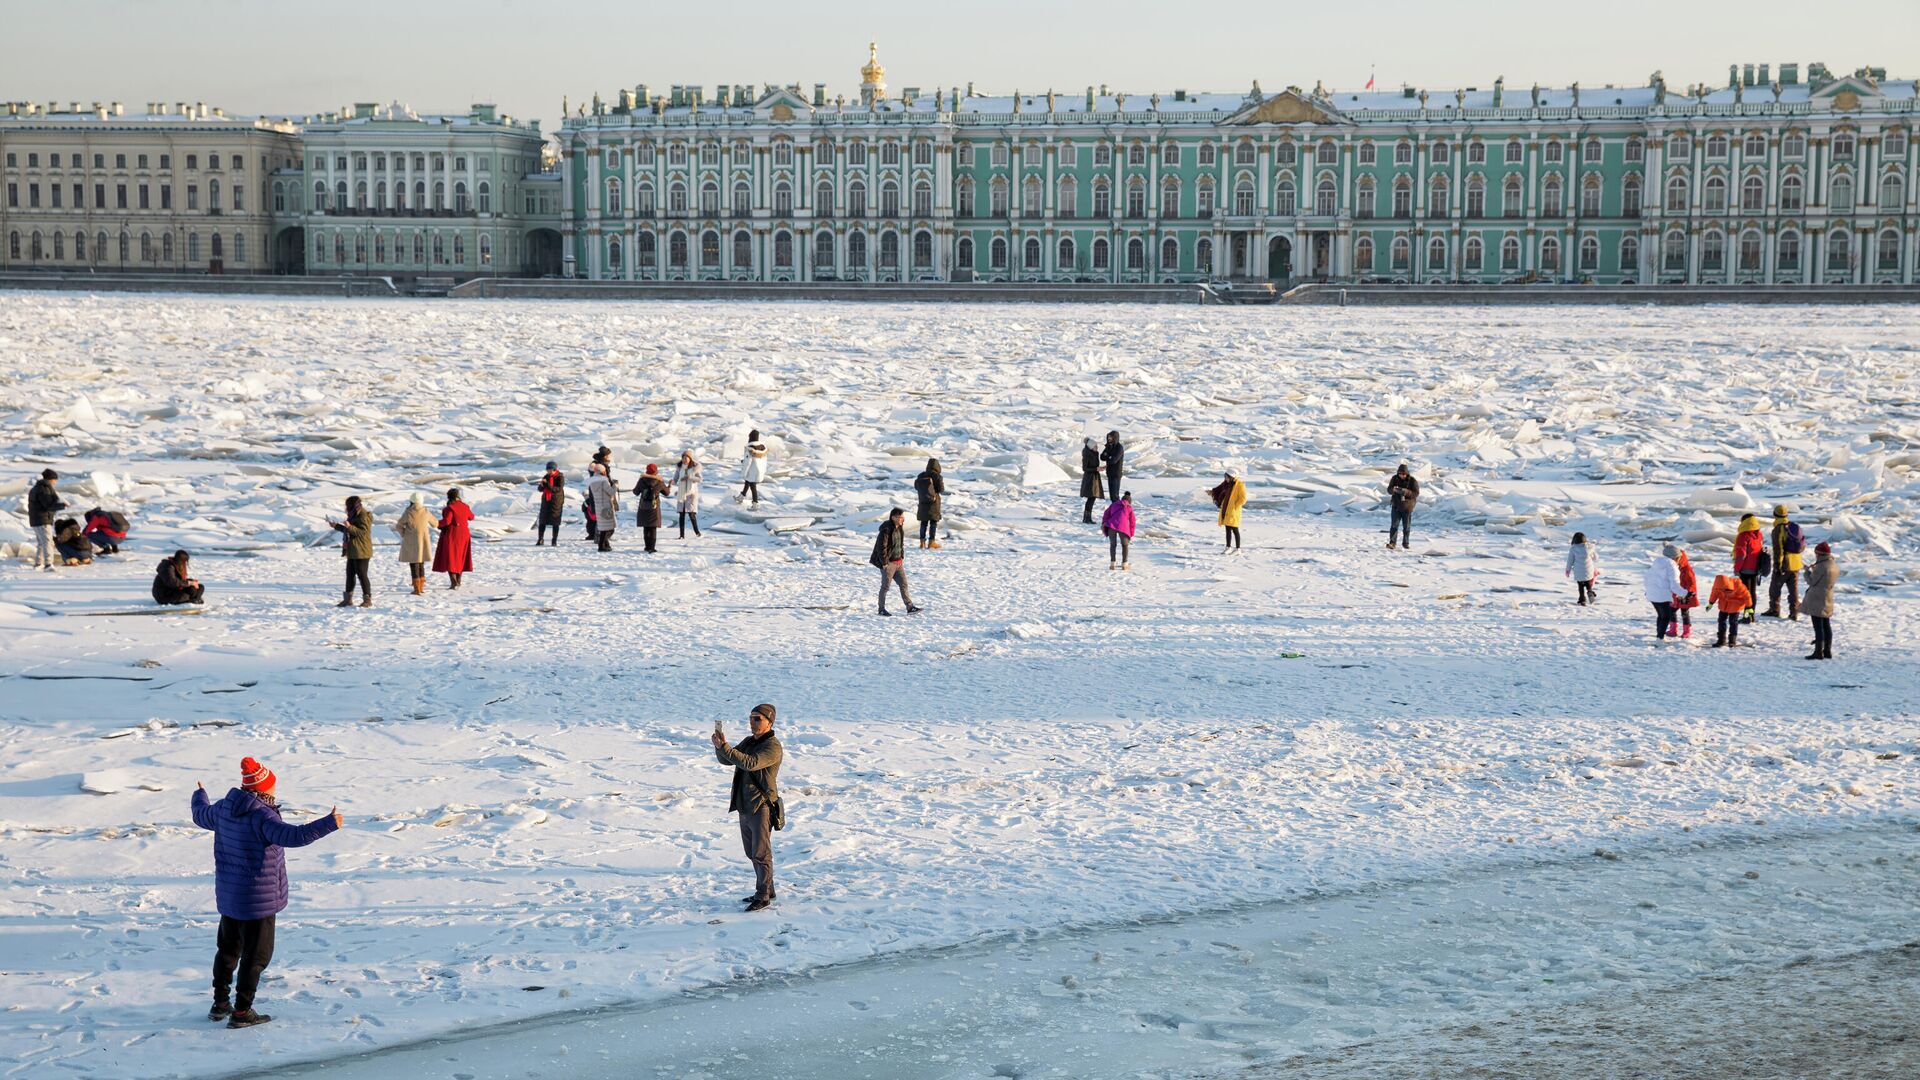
{"x":249,"y":883}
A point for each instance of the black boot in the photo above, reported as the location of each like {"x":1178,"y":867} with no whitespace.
{"x":246,"y":1018}
{"x":220,"y":1011}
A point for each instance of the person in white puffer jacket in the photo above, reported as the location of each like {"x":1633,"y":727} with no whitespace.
{"x":1583,"y":566}
{"x":756,"y":466}
{"x":1662,"y":584}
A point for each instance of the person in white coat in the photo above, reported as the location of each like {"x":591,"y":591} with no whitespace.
{"x":1662,"y":584}
{"x":1583,"y":566}
{"x":756,"y":466}
{"x":686,"y":488}
{"x":606,"y":506}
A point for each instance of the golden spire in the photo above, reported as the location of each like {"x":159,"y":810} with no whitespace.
{"x":872,"y":72}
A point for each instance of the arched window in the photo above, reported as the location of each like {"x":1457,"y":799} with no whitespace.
{"x":1750,"y":250}
{"x":1793,"y":145}
{"x":1677,"y":195}
{"x":1589,"y":253}
{"x":80,"y":247}
{"x":1673,"y":251}
{"x":1436,"y":254}
{"x":923,"y":250}
{"x":380,"y":248}
{"x":1170,"y":154}
{"x":1064,"y":253}
{"x":1476,"y":196}
{"x":213,"y":193}
{"x":783,"y":207}
{"x":1717,"y":145}
{"x":1842,"y":195}
{"x":1630,"y":197}
{"x":1136,"y":197}
{"x":613,"y":255}
{"x":1786,"y":251}
{"x":890,"y":250}
{"x":1403,"y":153}
{"x":963,"y":253}
{"x":1136,"y":254}
{"x":1550,"y":255}
{"x":1514,"y":152}
{"x":922,"y":199}
{"x":1363,"y":254}
{"x":1326,"y":199}
{"x":1170,"y":197}
{"x":1243,"y":198}
{"x":1551,"y":203}
{"x":320,"y":196}
{"x":710,"y":250}
{"x":214,"y":246}
{"x":1203,"y":256}
{"x":1402,"y":253}
{"x":889,"y":198}
{"x":1439,"y":153}
{"x":379,"y":194}
{"x":1755,"y":145}
{"x":857,"y":199}
{"x":1286,"y":154}
{"x":1102,"y":198}
{"x":1891,"y":192}
{"x":709,"y":199}
{"x":1030,"y":258}
{"x":439,"y":195}
{"x":419,"y":248}
{"x":125,"y":242}
{"x":646,"y":255}
{"x":822,"y":249}
{"x":1629,"y":255}
{"x":1715,"y":194}
{"x":1283,"y":199}
{"x":1472,"y":252}
{"x":743,"y":201}
{"x":1067,"y":198}
{"x":484,"y":195}
{"x":1101,"y":257}
{"x":1753,"y":195}
{"x":1170,"y":254}
{"x":1590,"y":196}
{"x":964,"y":198}
{"x":1329,"y":153}
{"x":783,"y":250}
{"x":420,"y":196}
{"x":857,"y":251}
{"x":1839,"y":250}
{"x":1243,"y":152}
{"x":1402,"y":196}
{"x":1592,"y":152}
{"x":677,"y":198}
{"x":1842,"y":147}
{"x":459,"y":249}
{"x":677,"y":251}
{"x":1636,"y":151}
{"x":1206,"y":155}
{"x":613,"y":195}
{"x":822,"y":199}
{"x":1030,"y":197}
{"x":239,"y":241}
{"x":1437,"y":197}
{"x":1510,"y":253}
{"x":1793,"y":195}
{"x":1512,"y":199}
{"x":997,"y":253}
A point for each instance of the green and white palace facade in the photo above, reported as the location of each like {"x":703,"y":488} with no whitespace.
{"x":1772,"y":178}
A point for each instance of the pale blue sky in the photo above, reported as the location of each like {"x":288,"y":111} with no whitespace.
{"x":259,"y":56}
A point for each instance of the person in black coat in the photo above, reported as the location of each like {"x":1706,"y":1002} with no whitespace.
{"x":1404,"y":492}
{"x":651,"y":489}
{"x":930,"y":487}
{"x":172,"y":585}
{"x":1089,"y":478}
{"x":72,"y":543}
{"x":553,"y":503}
{"x":43,"y":502}
{"x":890,"y":555}
{"x":1113,"y":454}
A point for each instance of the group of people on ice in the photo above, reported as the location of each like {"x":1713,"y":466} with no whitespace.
{"x":250,"y":839}
{"x":66,"y":541}
{"x":1672,"y":586}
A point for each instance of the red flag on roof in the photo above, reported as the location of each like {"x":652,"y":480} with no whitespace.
{"x":1369,"y":80}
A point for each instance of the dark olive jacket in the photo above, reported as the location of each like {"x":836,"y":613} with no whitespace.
{"x":756,"y":771}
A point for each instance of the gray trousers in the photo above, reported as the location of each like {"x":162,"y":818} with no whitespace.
{"x":43,"y":553}
{"x":888,"y":574}
{"x":1789,"y":579}
{"x":756,"y":836}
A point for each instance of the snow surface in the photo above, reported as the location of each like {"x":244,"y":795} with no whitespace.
{"x":522,"y":763}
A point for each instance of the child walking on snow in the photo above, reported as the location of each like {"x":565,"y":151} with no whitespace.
{"x":1117,"y":523}
{"x":1689,"y":595}
{"x":1583,"y":566}
{"x":1731,"y":597}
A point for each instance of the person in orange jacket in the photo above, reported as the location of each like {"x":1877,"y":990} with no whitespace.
{"x":1732,"y":598}
{"x":1749,"y":545}
{"x":1689,"y":595}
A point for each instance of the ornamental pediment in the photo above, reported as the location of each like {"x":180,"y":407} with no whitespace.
{"x":781,"y":105}
{"x":1847,"y":93}
{"x":1287,"y":107}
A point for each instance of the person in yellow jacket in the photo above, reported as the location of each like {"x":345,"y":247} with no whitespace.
{"x":1789,"y":545}
{"x":1230,"y":495}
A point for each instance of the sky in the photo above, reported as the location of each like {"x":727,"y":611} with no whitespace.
{"x":256,"y":56}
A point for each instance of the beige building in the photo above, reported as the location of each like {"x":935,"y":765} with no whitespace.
{"x":180,"y":188}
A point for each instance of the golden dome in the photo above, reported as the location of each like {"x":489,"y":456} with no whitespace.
{"x":871,"y":71}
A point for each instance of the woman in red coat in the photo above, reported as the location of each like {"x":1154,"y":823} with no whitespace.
{"x":1748,"y":546}
{"x":454,"y":555}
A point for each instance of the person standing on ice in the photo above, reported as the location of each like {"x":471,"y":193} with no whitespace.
{"x":1089,"y":478}
{"x":602,"y":463}
{"x":931,"y":489}
{"x":1789,"y":543}
{"x":650,"y":489}
{"x":755,"y":796}
{"x":1748,"y":549}
{"x":43,"y":502}
{"x":553,"y":504}
{"x":1688,"y":597}
{"x":454,"y":555}
{"x":356,"y":546}
{"x":1230,"y":495}
{"x":890,"y":555}
{"x":416,"y":527}
{"x":755,"y":467}
{"x":1118,"y":524}
{"x":249,"y":883}
{"x":603,"y":506}
{"x":1731,"y":598}
{"x":1822,"y":576}
{"x":1403,"y":491}
{"x":1113,"y":455}
{"x":1662,"y":585}
{"x":172,"y":585}
{"x":1583,"y":566}
{"x":686,"y":489}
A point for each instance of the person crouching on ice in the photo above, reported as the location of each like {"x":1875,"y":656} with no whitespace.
{"x":249,"y":883}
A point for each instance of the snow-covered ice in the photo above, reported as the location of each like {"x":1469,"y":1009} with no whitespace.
{"x":522,"y":764}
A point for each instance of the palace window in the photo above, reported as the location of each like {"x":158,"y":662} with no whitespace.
{"x":1203,"y":198}
{"x":1368,"y":153}
{"x":1326,"y":199}
{"x":709,"y":199}
{"x":1555,"y":152}
{"x":782,"y":199}
{"x":645,"y":255}
{"x":1713,"y":251}
{"x":1170,"y":154}
{"x":1136,"y":254}
{"x":1440,"y":153}
{"x":1029,"y":197}
{"x":1892,"y":192}
{"x":1068,"y":155}
{"x":1753,"y":195}
{"x":1629,"y":254}
{"x":1207,"y":155}
{"x":1680,"y":148}
{"x":1170,"y":197}
{"x":1843,"y":147}
{"x":1243,"y":152}
{"x":1896,"y":143}
{"x":1889,"y":250}
{"x":1550,"y":255}
{"x":923,"y":250}
{"x":1754,"y":145}
{"x":1031,"y":253}
{"x":1472,"y":253}
{"x":1363,"y":254}
{"x":643,"y":155}
{"x":1510,"y":253}
{"x":1589,"y":253}
{"x":1717,"y":146}
{"x":1402,"y":253}
{"x":889,"y":152}
{"x":1102,"y":155}
{"x":1402,"y":197}
{"x":743,"y":152}
{"x":1786,"y":254}
{"x":610,"y":157}
{"x":1839,"y":251}
{"x":677,"y":251}
{"x":783,"y":246}
{"x":1793,"y":145}
{"x":1066,"y":198}
{"x":1137,"y":153}
{"x":963,"y":198}
{"x":710,"y":249}
{"x":1136,"y":199}
{"x":1243,"y":198}
{"x":1286,"y":154}
{"x":1715,"y":194}
{"x":1674,"y":250}
{"x":1329,"y":153}
{"x":1513,"y":198}
{"x":613,"y":195}
{"x":1063,"y":253}
{"x":856,"y":250}
{"x":922,"y":152}
{"x":1842,"y":201}
{"x":1593,"y":152}
{"x":1000,"y":155}
{"x":1436,"y":254}
{"x":1203,"y":256}
{"x":1403,"y":153}
{"x":998,"y":194}
{"x":419,"y":248}
{"x":1170,"y":254}
{"x":1437,"y":197}
{"x":1677,"y":195}
{"x":997,"y":253}
{"x":1283,"y":199}
{"x":676,"y":154}
{"x":822,"y":199}
{"x":1476,"y":153}
{"x":1101,"y":257}
{"x":963,"y":252}
{"x":677,"y":198}
{"x":822,"y":249}
{"x":857,"y":199}
{"x":613,"y":255}
{"x":1630,"y":197}
{"x":782,"y":159}
{"x":710,"y":155}
{"x":1514,"y":152}
{"x":1366,"y":202}
{"x":1793,"y":195}
{"x":1102,"y":200}
{"x":922,"y":199}
{"x":1476,"y":196}
{"x":643,"y":199}
{"x":1750,"y":249}
{"x":1590,"y":196}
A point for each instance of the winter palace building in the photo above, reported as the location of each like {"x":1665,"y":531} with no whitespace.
{"x":1774,"y":177}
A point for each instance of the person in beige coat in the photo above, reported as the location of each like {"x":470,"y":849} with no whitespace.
{"x":416,"y":527}
{"x":1822,"y":576}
